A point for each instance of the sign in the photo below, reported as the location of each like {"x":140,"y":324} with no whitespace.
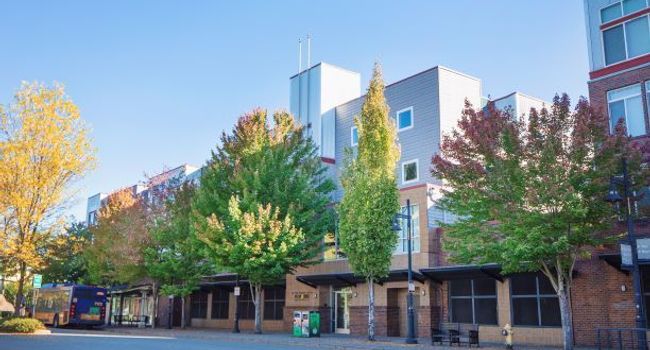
{"x":38,"y":280}
{"x":237,"y":291}
{"x":643,"y":248}
{"x":626,"y":254}
{"x":411,"y":287}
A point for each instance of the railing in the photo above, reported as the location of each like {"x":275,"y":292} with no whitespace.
{"x":621,"y":338}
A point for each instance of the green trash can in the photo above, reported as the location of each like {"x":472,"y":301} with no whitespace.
{"x":314,"y":324}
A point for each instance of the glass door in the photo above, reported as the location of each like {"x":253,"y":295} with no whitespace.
{"x":342,"y":310}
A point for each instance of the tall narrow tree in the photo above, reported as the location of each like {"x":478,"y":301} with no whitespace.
{"x":371,"y":198}
{"x":529,"y":194}
{"x":271,"y":175}
{"x":44,"y":148}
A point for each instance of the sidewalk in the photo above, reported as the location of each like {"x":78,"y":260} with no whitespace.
{"x":326,"y":341}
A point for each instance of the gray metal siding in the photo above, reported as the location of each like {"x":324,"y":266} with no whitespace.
{"x":420,"y":142}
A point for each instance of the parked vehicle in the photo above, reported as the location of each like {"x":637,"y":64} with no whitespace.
{"x":69,"y":304}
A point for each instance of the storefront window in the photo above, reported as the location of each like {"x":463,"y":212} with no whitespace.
{"x":274,"y":302}
{"x":245,"y":303}
{"x":534,"y":301}
{"x":199,"y":305}
{"x":473,"y":301}
{"x":220,"y":301}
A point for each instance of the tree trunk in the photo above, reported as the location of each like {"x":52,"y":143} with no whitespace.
{"x":183,"y":311}
{"x":21,"y":288}
{"x":565,"y":314}
{"x":371,"y":309}
{"x":257,"y":300}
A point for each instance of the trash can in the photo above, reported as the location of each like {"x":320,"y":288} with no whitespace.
{"x":314,"y":324}
{"x":297,"y":323}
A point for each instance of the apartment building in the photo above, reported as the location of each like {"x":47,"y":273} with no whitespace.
{"x":325,"y":99}
{"x":618,"y":37}
{"x":134,"y":304}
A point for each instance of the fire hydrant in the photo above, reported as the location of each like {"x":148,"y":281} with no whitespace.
{"x":507,"y":333}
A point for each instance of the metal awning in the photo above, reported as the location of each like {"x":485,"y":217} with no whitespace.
{"x":226,"y":280}
{"x":129,"y":289}
{"x":341,"y":279}
{"x":454,"y":272}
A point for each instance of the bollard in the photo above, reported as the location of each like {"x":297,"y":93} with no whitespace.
{"x":507,"y":332}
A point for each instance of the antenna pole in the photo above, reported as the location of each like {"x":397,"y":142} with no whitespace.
{"x":299,"y":55}
{"x":308,"y":50}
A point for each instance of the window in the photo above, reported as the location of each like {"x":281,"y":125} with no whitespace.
{"x":615,"y":10}
{"x":473,"y":301}
{"x":410,"y":171}
{"x":220,"y":301}
{"x":274,"y":303}
{"x":626,"y":104}
{"x":534,"y":301}
{"x":402,"y":242}
{"x":611,"y":13}
{"x":404,"y":119}
{"x":199,"y":305}
{"x":332,"y":247}
{"x":626,"y":40}
{"x":245,"y":304}
{"x":354,"y":136}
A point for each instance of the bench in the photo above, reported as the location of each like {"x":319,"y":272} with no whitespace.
{"x":455,"y":333}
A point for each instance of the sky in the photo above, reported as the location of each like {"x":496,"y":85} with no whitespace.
{"x":159,"y":81}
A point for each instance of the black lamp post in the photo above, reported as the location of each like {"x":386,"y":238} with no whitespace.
{"x":235,"y":328}
{"x":410,"y":332}
{"x":614,"y":197}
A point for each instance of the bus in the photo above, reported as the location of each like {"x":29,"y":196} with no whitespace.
{"x":69,"y":304}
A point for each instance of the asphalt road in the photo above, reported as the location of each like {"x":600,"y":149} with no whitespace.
{"x":84,"y":341}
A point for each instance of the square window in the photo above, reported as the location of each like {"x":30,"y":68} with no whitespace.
{"x":614,"y":42}
{"x":630,"y":6}
{"x":524,"y":311}
{"x":485,"y":310}
{"x":354,"y":136}
{"x":637,"y":36}
{"x":550,"y":309}
{"x":405,"y":119}
{"x":461,"y":310}
{"x":610,"y":13}
{"x":410,"y":171}
{"x":626,"y":104}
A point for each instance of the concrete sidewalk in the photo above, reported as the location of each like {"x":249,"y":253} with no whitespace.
{"x":326,"y":341}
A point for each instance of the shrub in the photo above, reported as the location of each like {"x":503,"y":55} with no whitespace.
{"x":21,"y":325}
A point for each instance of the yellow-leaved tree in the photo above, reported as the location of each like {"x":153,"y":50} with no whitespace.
{"x":44,"y":148}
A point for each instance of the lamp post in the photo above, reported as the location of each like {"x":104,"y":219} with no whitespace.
{"x":235,"y":328}
{"x":410,"y":323}
{"x":614,"y":197}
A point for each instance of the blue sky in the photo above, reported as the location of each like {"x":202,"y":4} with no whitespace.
{"x":158,"y":81}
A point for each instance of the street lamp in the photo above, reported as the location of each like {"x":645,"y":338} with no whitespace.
{"x":410,"y":332}
{"x":614,"y":197}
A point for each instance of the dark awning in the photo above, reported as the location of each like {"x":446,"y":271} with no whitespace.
{"x":349,"y":279}
{"x":454,"y":272}
{"x":614,"y":260}
{"x":226,"y":280}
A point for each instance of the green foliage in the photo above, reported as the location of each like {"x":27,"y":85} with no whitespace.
{"x":21,"y":325}
{"x":11,"y":289}
{"x":371,"y":199}
{"x":66,"y":261}
{"x":258,"y":245}
{"x":262,"y":166}
{"x":529,"y":195}
{"x":174,"y":259}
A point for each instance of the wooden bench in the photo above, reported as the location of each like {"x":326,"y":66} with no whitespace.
{"x":455,"y":333}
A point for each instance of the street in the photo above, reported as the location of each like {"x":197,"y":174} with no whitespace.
{"x":199,"y":339}
{"x":84,"y":340}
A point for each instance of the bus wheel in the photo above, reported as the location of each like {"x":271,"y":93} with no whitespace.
{"x":55,"y":322}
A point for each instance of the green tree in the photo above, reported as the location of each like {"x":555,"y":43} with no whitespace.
{"x":66,"y":261}
{"x":371,"y":198}
{"x":271,"y":175}
{"x":175,"y":259}
{"x":529,"y":193}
